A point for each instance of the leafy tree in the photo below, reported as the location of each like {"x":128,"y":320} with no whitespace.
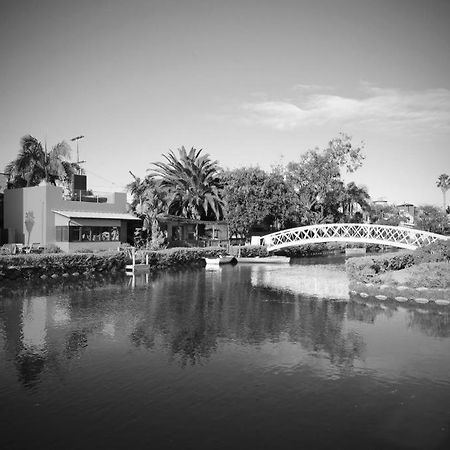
{"x":312,"y":178}
{"x":282,"y":208}
{"x":244,"y":197}
{"x":344,"y":153}
{"x":35,"y":164}
{"x":431,"y":218}
{"x":316,"y":178}
{"x":443,"y":182}
{"x":192,"y":184}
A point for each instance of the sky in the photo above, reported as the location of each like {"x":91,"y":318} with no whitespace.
{"x":252,"y":82}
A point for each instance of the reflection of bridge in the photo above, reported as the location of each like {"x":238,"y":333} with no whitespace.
{"x":362,"y":233}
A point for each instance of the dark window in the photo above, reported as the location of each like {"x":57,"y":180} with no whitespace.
{"x":74,"y":234}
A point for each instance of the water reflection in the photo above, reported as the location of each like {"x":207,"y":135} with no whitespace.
{"x":430,"y":320}
{"x":191,"y":315}
{"x":318,"y":280}
{"x":224,"y":358}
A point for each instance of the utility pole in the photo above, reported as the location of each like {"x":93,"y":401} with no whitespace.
{"x":76,"y":139}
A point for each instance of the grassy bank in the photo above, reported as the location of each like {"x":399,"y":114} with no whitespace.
{"x":427,"y":267}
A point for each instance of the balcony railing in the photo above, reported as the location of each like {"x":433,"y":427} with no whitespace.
{"x":90,"y":197}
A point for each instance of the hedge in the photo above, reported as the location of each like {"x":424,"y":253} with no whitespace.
{"x":55,"y":265}
{"x":179,"y":256}
{"x":249,"y":251}
{"x":59,"y":264}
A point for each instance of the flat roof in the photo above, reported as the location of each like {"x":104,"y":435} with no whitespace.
{"x":95,"y":215}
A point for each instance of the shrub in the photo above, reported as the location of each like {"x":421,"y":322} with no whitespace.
{"x":178,"y":256}
{"x":435,"y":252}
{"x":35,"y":265}
{"x":52,"y":248}
{"x":367,"y":268}
{"x":251,"y":251}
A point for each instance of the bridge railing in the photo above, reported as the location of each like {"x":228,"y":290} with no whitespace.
{"x":396,"y":236}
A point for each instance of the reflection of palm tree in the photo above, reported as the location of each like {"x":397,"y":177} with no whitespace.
{"x":233,"y":309}
{"x":443,"y":182}
{"x":192,"y":184}
{"x":35,"y":164}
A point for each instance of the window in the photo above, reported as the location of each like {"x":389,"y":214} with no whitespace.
{"x":86,"y":234}
{"x":62,"y":234}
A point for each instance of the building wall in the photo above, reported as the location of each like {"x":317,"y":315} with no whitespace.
{"x":39,"y":202}
{"x":19,"y":203}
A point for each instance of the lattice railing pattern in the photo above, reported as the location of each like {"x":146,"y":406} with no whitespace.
{"x":351,"y":232}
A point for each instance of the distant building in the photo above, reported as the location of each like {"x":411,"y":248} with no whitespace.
{"x":201,"y":233}
{"x":407,"y":208}
{"x":84,"y":220}
{"x":408,"y":211}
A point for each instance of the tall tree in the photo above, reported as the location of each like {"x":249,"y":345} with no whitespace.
{"x":35,"y":164}
{"x":192,"y":184}
{"x":137,"y":190}
{"x":312,"y":178}
{"x":443,"y":182}
{"x":317,"y":178}
{"x":344,"y":153}
{"x":355,"y":195}
{"x":245,"y":203}
{"x":281,"y":200}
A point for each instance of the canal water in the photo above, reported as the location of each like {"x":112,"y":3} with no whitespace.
{"x":232,"y":357}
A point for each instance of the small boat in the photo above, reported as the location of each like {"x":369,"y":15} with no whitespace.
{"x":264,"y":259}
{"x":226,"y":259}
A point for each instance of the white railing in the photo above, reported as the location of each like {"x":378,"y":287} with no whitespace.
{"x":401,"y":237}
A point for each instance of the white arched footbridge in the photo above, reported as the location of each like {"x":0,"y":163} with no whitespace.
{"x":362,"y":233}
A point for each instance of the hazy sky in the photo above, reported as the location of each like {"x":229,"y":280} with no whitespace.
{"x":251,"y":82}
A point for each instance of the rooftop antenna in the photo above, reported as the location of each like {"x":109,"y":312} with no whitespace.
{"x":76,"y":139}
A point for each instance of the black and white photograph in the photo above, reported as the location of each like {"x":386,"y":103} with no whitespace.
{"x":225,"y":224}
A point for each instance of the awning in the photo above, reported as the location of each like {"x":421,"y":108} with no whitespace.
{"x":95,"y":215}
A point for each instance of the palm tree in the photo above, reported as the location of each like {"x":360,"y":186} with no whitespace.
{"x":443,"y":182}
{"x":137,"y":190}
{"x":192,"y":184}
{"x":148,"y":201}
{"x":35,"y":164}
{"x":354,"y":194}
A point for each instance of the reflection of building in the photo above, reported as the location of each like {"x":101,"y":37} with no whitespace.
{"x":42,"y":215}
